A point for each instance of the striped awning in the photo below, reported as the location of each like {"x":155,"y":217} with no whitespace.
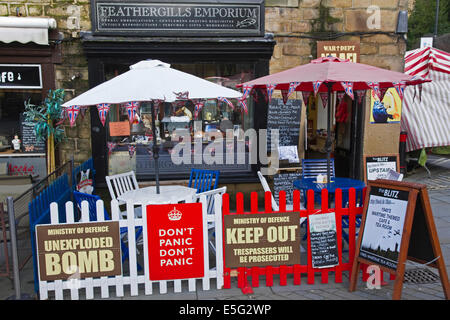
{"x":426,"y":114}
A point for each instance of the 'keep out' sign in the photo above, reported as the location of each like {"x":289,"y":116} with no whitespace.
{"x":175,"y":241}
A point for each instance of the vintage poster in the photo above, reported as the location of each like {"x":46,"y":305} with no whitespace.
{"x":175,"y":241}
{"x":387,"y":111}
{"x":258,"y":240}
{"x":81,"y":250}
{"x":383,"y":228}
{"x":341,"y":49}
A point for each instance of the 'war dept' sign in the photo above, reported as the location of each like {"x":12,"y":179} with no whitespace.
{"x":179,"y":18}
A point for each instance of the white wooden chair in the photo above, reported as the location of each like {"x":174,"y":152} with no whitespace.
{"x":120,"y":183}
{"x":210,"y":200}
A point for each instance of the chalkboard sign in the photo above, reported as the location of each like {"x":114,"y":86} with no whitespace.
{"x":377,"y":167}
{"x":285,"y":118}
{"x":323,"y":240}
{"x":398,"y":225}
{"x":285,"y":181}
{"x":29,"y":141}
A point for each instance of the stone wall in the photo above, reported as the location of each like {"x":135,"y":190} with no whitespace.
{"x":296,"y":24}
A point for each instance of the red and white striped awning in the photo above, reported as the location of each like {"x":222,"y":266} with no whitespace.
{"x":427,"y":120}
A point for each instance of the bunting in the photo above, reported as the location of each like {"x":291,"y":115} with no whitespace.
{"x":182,"y":95}
{"x":400,"y":87}
{"x":383,"y":93}
{"x":132,"y":108}
{"x":83,"y":111}
{"x":339,"y":96}
{"x":197,"y":108}
{"x":348,"y":87}
{"x":375,"y":86}
{"x":246,"y":90}
{"x":360,"y":94}
{"x":270,"y":89}
{"x":111,"y":147}
{"x":72,"y":113}
{"x":254,"y":94}
{"x":131,"y":150}
{"x":103,"y":110}
{"x":324,"y":97}
{"x":243,"y":103}
{"x":292,"y":87}
{"x":285,"y":95}
{"x":305,"y":95}
{"x":223,"y":99}
{"x":316,"y":86}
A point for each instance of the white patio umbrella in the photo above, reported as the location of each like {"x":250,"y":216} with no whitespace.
{"x":149,"y":81}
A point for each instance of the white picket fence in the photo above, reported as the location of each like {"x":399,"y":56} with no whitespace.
{"x":65,"y":289}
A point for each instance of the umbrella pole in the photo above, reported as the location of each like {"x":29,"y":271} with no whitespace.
{"x":328,"y":142}
{"x":155,"y":148}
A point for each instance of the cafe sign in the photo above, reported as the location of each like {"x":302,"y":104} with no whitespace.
{"x":262,"y":239}
{"x":81,"y":250}
{"x":20,"y":76}
{"x":189,"y":18}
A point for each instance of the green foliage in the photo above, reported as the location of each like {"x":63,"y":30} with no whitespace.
{"x":421,"y":22}
{"x":47,"y":116}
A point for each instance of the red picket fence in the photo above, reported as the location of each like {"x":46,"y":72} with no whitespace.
{"x":297,"y":270}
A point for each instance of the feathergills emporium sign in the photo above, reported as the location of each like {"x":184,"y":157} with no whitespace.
{"x":217,"y":18}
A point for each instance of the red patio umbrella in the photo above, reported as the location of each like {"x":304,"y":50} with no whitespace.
{"x":330,"y":74}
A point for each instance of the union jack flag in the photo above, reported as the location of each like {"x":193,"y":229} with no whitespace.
{"x":227,"y":101}
{"x":243,"y":103}
{"x":198,"y":106}
{"x":270,"y":88}
{"x":316,"y":86}
{"x":131,"y":150}
{"x":400,"y":87}
{"x":292,"y":87}
{"x":348,"y":87}
{"x":103,"y":109}
{"x":375,"y":86}
{"x":246,"y":89}
{"x":72,"y":113}
{"x":132,"y":108}
{"x":111,"y":147}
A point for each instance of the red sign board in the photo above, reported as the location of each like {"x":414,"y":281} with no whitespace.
{"x":175,"y":241}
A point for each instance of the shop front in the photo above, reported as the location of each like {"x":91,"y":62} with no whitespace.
{"x":29,"y":50}
{"x":222,"y":41}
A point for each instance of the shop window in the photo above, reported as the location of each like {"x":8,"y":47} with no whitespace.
{"x":12,"y":106}
{"x":133,"y":150}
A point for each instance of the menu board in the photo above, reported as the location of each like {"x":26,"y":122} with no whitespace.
{"x":383,"y":228}
{"x":28,"y":136}
{"x":322,"y":228}
{"x":285,"y":181}
{"x":286,"y":119}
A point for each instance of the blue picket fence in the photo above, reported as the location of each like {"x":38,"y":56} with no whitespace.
{"x":59,"y":191}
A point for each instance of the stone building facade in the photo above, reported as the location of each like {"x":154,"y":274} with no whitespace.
{"x":295,"y":24}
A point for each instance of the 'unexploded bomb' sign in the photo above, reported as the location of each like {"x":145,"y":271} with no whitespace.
{"x":84,"y":250}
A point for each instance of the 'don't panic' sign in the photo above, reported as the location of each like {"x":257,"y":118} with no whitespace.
{"x":83,"y":250}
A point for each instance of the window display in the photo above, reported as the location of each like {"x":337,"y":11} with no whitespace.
{"x":200,"y":120}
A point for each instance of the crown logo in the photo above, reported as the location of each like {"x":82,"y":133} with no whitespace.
{"x":174,"y":215}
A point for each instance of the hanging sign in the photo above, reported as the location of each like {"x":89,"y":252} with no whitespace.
{"x":82,"y":250}
{"x":119,"y":128}
{"x":378,"y":167}
{"x":397,"y":224}
{"x":20,"y":76}
{"x":258,"y":240}
{"x":175,"y":241}
{"x":341,"y":49}
{"x":323,"y":239}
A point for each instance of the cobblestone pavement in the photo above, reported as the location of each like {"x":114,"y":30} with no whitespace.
{"x":440,"y":202}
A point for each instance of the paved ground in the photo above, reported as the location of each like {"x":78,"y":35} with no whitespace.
{"x":439,"y":192}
